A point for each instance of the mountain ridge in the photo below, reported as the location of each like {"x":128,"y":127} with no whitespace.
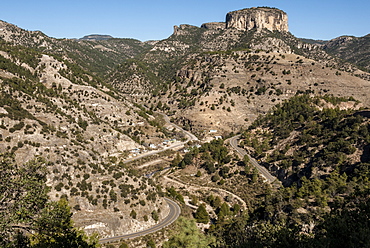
{"x":194,"y":53}
{"x":87,"y":105}
{"x":96,"y":37}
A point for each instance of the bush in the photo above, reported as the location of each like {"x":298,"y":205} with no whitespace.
{"x":59,"y":186}
{"x":133,"y":214}
{"x":215,"y":178}
{"x":155,"y":215}
{"x":201,"y":215}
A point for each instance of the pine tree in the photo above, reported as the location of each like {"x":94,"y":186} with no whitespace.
{"x":201,"y":215}
{"x":224,"y":211}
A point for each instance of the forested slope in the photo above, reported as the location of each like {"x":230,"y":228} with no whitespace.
{"x":319,"y":148}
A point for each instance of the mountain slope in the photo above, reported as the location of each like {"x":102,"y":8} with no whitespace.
{"x":311,"y":137}
{"x":356,"y":50}
{"x":97,"y":56}
{"x":86,"y":105}
{"x":54,"y":109}
{"x":214,"y":77}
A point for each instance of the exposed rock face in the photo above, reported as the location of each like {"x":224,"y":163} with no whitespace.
{"x":182,"y":29}
{"x":95,"y":37}
{"x":258,"y":18}
{"x":340,"y":42}
{"x":214,"y":25}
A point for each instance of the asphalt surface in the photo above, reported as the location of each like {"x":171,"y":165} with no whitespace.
{"x":174,"y":207}
{"x":262,"y":170}
{"x":171,"y":217}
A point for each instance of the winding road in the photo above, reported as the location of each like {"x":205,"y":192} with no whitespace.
{"x":174,"y":207}
{"x":171,"y":217}
{"x":262,"y":170}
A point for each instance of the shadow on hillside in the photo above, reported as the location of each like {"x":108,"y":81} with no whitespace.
{"x":365,"y":113}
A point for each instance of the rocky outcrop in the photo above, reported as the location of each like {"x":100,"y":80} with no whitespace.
{"x":246,"y":19}
{"x":258,"y":18}
{"x":95,"y":37}
{"x":341,"y":41}
{"x":214,"y":25}
{"x":183,"y":29}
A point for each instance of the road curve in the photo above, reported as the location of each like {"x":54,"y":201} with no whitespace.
{"x":171,"y":217}
{"x":262,"y":170}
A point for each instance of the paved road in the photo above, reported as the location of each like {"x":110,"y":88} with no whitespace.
{"x":171,"y":217}
{"x":262,"y":170}
{"x":174,"y":207}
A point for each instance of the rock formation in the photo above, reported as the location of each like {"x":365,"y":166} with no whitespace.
{"x":246,"y":19}
{"x":339,"y":42}
{"x":95,"y":37}
{"x":214,"y":25}
{"x":258,"y":18}
{"x":183,"y":29}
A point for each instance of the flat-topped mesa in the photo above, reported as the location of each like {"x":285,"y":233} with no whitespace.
{"x":258,"y":18}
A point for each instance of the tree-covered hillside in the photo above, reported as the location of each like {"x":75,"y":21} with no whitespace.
{"x":84,"y":135}
{"x":99,"y":57}
{"x":352,"y":49}
{"x":321,"y":153}
{"x":311,"y":137}
{"x":319,"y":148}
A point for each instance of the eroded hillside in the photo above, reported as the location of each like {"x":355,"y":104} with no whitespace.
{"x":220,"y":77}
{"x":90,"y":107}
{"x":53,"y":109}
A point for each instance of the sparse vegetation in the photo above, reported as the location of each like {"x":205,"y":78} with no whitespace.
{"x":81,"y":105}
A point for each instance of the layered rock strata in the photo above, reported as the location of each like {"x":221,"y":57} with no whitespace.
{"x":258,"y":18}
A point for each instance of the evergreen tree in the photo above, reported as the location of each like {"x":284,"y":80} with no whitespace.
{"x":216,"y":203}
{"x":187,"y":235}
{"x":254,"y":175}
{"x":22,"y":196}
{"x":176,"y":160}
{"x":201,"y":215}
{"x":25,"y":213}
{"x":223,"y":211}
{"x":55,"y":228}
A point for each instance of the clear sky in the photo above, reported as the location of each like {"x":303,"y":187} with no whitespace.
{"x":154,"y":19}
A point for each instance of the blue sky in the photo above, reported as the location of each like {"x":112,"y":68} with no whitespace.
{"x":154,"y":20}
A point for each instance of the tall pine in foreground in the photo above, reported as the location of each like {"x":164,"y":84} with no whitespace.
{"x":27,"y":217}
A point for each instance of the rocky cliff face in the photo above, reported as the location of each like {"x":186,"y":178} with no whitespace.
{"x":258,"y":18}
{"x":95,"y":37}
{"x":214,"y":25}
{"x":183,"y":29}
